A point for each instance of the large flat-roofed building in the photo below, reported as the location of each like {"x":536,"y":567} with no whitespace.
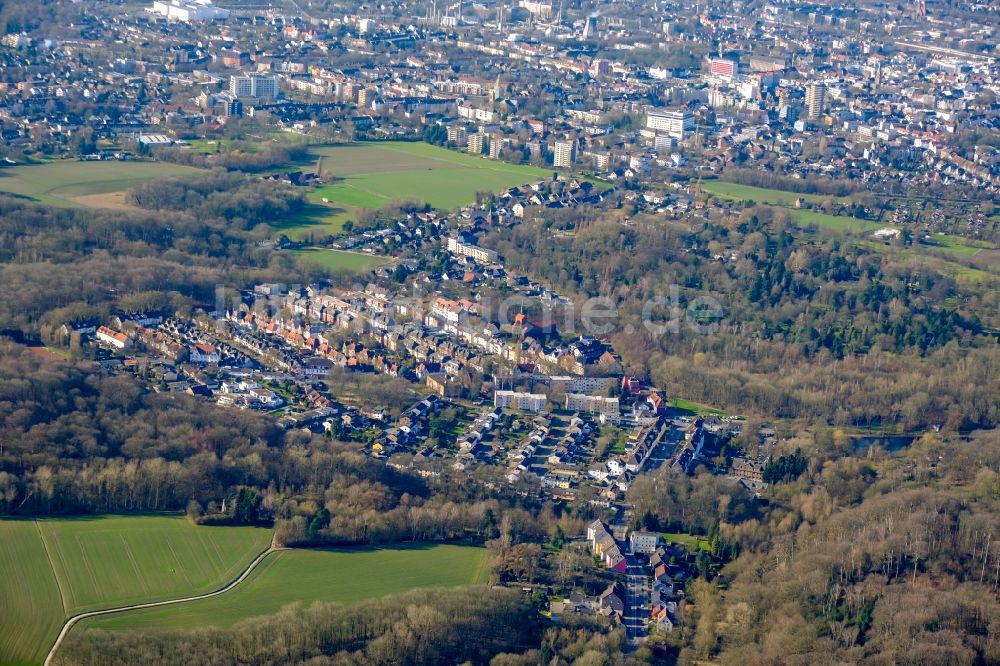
{"x":187,"y":11}
{"x":568,"y":384}
{"x":475,"y":143}
{"x":722,"y":67}
{"x":593,"y":404}
{"x":253,"y":86}
{"x":767,"y":63}
{"x":480,"y":254}
{"x":530,"y":402}
{"x":458,"y":135}
{"x":815,"y":99}
{"x":674,"y":123}
{"x":540,"y":9}
{"x":565,"y":154}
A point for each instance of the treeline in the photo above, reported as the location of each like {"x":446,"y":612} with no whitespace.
{"x":76,"y":440}
{"x":419,"y":627}
{"x":671,"y":501}
{"x":872,"y":573}
{"x":499,"y":627}
{"x":241,"y":201}
{"x":785,"y":467}
{"x":813,"y":185}
{"x":73,"y":439}
{"x":269,"y":156}
{"x":807,"y":326}
{"x":85,"y":259}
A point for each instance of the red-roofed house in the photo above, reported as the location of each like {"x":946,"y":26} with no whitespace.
{"x":113,"y":338}
{"x":202,"y":352}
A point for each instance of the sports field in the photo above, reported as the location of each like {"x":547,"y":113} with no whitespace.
{"x":305,"y":576}
{"x":340,"y":260}
{"x":373,"y":175}
{"x":73,"y":183}
{"x":50,"y":569}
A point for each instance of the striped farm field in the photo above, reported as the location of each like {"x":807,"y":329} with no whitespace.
{"x":346,"y":576}
{"x":30,"y":607}
{"x":53,"y":568}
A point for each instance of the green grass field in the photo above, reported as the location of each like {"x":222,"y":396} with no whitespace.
{"x":373,"y":175}
{"x":738,"y":192}
{"x":340,"y":260}
{"x":307,"y":576}
{"x":59,"y":183}
{"x":786,"y":199}
{"x":317,"y":219}
{"x":833,"y":222}
{"x":963,"y":247}
{"x":689,"y":541}
{"x":918,"y":253}
{"x":30,"y":608}
{"x":694,"y":408}
{"x":53,"y":568}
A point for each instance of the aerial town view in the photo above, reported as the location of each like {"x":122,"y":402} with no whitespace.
{"x":500,"y":333}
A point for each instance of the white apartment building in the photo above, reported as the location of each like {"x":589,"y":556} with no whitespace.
{"x":480,"y":254}
{"x":529,"y":402}
{"x":564,"y":154}
{"x":113,"y":338}
{"x":593,"y":404}
{"x":644,"y":542}
{"x":569,"y":384}
{"x":674,"y":123}
{"x":253,"y":86}
{"x":187,"y":11}
{"x":475,"y":143}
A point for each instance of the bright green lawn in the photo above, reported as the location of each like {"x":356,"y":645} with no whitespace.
{"x":318,"y":219}
{"x":689,"y":541}
{"x":694,"y":407}
{"x":833,"y":222}
{"x":56,"y":567}
{"x":57,"y":182}
{"x":963,"y":247}
{"x":340,"y":260}
{"x":306,"y":576}
{"x":348,"y":195}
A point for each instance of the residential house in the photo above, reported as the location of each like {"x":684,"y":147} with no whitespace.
{"x":203,"y":353}
{"x":644,"y":542}
{"x":112,"y":338}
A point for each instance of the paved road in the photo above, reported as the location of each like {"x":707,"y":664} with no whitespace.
{"x":80,"y":616}
{"x":636,"y":612}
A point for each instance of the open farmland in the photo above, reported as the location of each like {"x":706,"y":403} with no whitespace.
{"x":372,"y":175}
{"x":50,"y":569}
{"x":345,"y":576}
{"x":30,"y":608}
{"x":74,"y":183}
